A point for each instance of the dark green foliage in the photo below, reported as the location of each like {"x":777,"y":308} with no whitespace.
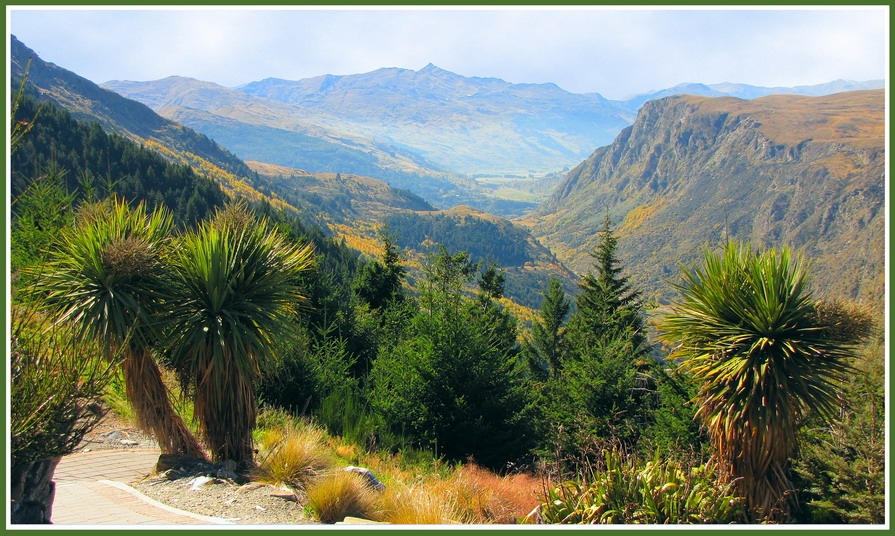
{"x":453,"y":384}
{"x":40,"y":213}
{"x":674,"y":428}
{"x":380,"y":282}
{"x":546,"y":350}
{"x":605,"y":385}
{"x":840,"y":468}
{"x":607,"y":306}
{"x":93,"y":164}
{"x":482,"y":239}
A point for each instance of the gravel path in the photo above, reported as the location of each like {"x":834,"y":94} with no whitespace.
{"x":253,"y":503}
{"x":198,"y":489}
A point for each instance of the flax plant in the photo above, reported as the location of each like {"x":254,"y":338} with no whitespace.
{"x":105,"y":279}
{"x":234,"y":287}
{"x":750,"y":335}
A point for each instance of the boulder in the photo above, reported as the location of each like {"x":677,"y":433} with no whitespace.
{"x":368,"y":475}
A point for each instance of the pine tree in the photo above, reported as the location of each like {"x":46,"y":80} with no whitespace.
{"x":380,"y":282}
{"x":605,"y":376}
{"x":453,"y":383}
{"x":607,"y":305}
{"x":547,"y":347}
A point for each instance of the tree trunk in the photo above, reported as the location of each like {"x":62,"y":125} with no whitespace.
{"x":148,"y":396}
{"x":32,"y":491}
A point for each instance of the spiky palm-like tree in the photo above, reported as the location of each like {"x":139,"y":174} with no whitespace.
{"x":105,"y":278}
{"x":234,"y":287}
{"x":751,"y":337}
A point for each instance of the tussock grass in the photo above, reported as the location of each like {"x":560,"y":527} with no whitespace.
{"x":420,"y":489}
{"x":291,"y":456}
{"x":334,"y":497}
{"x":484,"y":497}
{"x":416,"y":505}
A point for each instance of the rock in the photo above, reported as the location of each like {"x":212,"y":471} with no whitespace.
{"x":252,"y":487}
{"x":229,"y":465}
{"x":114,"y":434}
{"x":129,"y":442}
{"x":227,"y":470}
{"x":200,"y":481}
{"x":260,"y":508}
{"x":286,"y":496}
{"x":371,"y":479}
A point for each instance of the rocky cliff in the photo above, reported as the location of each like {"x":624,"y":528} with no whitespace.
{"x":807,"y":172}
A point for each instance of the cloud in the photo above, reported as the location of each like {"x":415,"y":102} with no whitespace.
{"x":614,"y":52}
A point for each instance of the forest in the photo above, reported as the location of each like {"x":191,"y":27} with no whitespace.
{"x":746,"y":400}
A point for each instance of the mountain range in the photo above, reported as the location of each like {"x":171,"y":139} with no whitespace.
{"x":429,"y":131}
{"x":680,"y":173}
{"x":350,"y":207}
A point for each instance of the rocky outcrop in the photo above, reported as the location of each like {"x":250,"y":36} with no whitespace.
{"x":806,"y":172}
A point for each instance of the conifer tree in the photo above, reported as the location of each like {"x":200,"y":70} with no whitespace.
{"x":453,"y":383}
{"x":546,"y":350}
{"x":605,"y":370}
{"x":380,"y":282}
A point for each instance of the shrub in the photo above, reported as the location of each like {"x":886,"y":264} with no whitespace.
{"x":657,"y":492}
{"x":56,"y":385}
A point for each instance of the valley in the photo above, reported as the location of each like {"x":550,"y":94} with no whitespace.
{"x":407,"y":150}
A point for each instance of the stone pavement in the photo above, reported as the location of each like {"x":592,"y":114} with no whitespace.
{"x":91,"y":489}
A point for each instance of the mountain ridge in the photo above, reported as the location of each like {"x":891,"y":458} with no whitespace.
{"x":807,"y":172}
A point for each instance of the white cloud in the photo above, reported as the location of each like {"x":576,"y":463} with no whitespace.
{"x":616,"y":53}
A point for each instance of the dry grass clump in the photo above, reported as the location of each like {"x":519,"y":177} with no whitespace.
{"x":334,"y":497}
{"x":291,"y":455}
{"x":481,"y":496}
{"x":415,"y":505}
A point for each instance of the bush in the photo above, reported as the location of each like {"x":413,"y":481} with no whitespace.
{"x":657,"y":492}
{"x":56,"y":386}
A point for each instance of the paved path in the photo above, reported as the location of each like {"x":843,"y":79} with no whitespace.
{"x":91,"y":489}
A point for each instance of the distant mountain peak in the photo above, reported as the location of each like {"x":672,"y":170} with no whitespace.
{"x":431,"y":68}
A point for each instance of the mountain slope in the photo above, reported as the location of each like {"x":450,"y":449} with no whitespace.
{"x":86,"y":101}
{"x":356,"y":208}
{"x":801,"y":171}
{"x":269,"y":131}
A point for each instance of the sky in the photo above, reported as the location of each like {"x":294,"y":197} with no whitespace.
{"x":615,"y":52}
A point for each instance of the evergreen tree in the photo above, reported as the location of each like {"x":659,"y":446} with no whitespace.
{"x":546,"y":349}
{"x":607,"y":305}
{"x":453,"y":383}
{"x":380,"y":282}
{"x":605,"y":374}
